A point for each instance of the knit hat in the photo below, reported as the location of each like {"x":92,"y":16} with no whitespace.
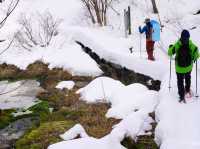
{"x":147,"y":20}
{"x":185,"y":34}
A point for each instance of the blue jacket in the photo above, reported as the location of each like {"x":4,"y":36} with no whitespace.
{"x":148,"y":29}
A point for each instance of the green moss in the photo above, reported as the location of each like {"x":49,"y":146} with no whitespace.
{"x":143,"y":142}
{"x":41,"y":109}
{"x":48,"y":133}
{"x":6,"y":118}
{"x":66,"y":113}
{"x":54,"y":97}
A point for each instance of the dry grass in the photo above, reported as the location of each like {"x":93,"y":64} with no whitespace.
{"x":91,"y":116}
{"x":36,"y":69}
{"x":8,"y":72}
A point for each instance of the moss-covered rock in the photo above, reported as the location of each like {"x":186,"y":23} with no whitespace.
{"x":39,"y":110}
{"x":6,"y":117}
{"x":40,"y":138}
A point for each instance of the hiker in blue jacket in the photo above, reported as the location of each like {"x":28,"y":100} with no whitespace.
{"x":148,"y":30}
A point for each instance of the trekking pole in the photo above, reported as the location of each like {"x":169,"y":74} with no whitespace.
{"x":170,"y":74}
{"x":140,"y":46}
{"x":196,"y":82}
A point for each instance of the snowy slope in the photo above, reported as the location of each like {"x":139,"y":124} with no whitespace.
{"x":62,"y":52}
{"x":171,"y":133}
{"x":135,"y":101}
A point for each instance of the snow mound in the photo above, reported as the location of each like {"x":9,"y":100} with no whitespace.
{"x":100,"y":89}
{"x":88,"y":143}
{"x":65,"y":84}
{"x":123,"y":99}
{"x":131,"y":98}
{"x":74,"y":132}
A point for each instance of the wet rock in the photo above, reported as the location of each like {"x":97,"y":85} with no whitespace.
{"x":20,"y":94}
{"x":15,"y":130}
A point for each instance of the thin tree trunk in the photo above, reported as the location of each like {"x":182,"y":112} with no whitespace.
{"x":91,"y":15}
{"x":155,"y":9}
{"x":98,"y":15}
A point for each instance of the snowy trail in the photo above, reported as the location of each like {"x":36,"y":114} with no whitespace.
{"x":178,"y":124}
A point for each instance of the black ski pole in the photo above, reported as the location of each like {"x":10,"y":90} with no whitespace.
{"x":170,"y":74}
{"x":140,"y":45}
{"x":196,"y":82}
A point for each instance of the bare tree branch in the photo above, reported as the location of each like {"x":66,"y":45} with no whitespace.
{"x":38,"y":32}
{"x":97,"y":8}
{"x":9,"y":12}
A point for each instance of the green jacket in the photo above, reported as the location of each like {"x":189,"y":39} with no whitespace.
{"x":194,"y":53}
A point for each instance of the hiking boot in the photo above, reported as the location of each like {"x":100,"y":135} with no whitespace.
{"x":182,"y":100}
{"x":188,"y":94}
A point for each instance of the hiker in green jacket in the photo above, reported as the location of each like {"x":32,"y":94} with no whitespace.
{"x":186,"y":53}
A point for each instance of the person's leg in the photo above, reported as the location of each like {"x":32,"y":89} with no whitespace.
{"x":181,"y":90}
{"x":150,"y":48}
{"x":187,"y":82}
{"x":153,"y":50}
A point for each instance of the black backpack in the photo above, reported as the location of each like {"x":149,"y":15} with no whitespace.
{"x":184,"y":57}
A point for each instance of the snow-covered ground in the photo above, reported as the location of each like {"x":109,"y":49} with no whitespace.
{"x":178,"y":124}
{"x":62,"y":52}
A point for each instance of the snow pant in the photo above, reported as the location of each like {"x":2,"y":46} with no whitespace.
{"x":180,"y":82}
{"x":150,"y":48}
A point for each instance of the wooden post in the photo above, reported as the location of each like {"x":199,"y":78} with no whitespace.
{"x":125,"y":23}
{"x":129,"y":20}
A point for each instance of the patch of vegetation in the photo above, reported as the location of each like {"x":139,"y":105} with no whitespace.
{"x":41,"y":109}
{"x":9,"y":72}
{"x":41,"y":137}
{"x":143,"y":142}
{"x":59,"y":98}
{"x":92,"y":117}
{"x":6,"y":118}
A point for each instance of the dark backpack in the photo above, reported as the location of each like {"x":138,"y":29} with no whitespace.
{"x":184,"y":57}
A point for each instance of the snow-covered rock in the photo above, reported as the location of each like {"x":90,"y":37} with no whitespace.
{"x":20,"y":94}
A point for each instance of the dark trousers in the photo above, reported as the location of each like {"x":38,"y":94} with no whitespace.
{"x":181,"y":77}
{"x":150,"y":48}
